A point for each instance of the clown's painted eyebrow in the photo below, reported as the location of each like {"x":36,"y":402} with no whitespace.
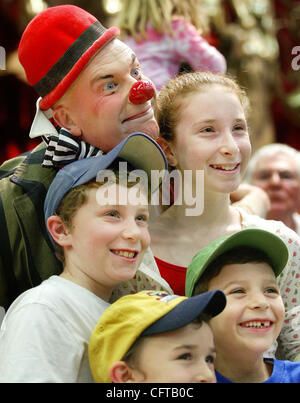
{"x":106,"y":76}
{"x":133,"y":57}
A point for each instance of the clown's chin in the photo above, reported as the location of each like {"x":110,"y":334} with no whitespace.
{"x":145,"y":124}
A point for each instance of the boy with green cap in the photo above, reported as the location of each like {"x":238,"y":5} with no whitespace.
{"x":245,"y":266}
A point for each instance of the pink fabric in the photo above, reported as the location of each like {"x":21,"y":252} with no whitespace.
{"x":161,"y":55}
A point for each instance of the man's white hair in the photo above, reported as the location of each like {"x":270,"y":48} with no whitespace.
{"x":269,"y":151}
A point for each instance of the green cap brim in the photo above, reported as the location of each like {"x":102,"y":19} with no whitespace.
{"x":265,"y":241}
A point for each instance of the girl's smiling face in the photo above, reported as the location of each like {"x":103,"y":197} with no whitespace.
{"x":212,"y":136}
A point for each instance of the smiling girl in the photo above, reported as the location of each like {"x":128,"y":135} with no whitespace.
{"x":203,"y":125}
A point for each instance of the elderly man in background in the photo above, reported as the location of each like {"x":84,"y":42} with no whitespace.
{"x":275,"y":168}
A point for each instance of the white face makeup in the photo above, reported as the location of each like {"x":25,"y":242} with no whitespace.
{"x":98,"y":101}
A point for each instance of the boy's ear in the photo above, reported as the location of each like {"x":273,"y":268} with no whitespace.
{"x":58,"y":230}
{"x":168,"y":150}
{"x":64,"y":118}
{"x":120,"y":372}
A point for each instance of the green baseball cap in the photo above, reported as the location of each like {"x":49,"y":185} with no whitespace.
{"x":265,"y":241}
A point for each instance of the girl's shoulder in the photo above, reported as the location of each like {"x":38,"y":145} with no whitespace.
{"x":278,"y":227}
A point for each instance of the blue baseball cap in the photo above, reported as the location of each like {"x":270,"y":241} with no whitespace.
{"x":138,"y":149}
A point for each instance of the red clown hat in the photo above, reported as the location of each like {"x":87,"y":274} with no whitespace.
{"x":56,"y":46}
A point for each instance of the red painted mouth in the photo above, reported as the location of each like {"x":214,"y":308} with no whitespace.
{"x":138,"y":115}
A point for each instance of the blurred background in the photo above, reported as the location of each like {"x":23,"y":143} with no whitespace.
{"x":259,"y":39}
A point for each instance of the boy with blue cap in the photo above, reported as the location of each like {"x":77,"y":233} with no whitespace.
{"x":153,"y":337}
{"x":45,"y":333}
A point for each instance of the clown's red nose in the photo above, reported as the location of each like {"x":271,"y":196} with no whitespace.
{"x":141,"y":92}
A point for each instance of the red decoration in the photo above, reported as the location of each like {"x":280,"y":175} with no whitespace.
{"x":141,"y":92}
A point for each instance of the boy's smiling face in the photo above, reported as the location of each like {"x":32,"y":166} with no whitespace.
{"x":107,"y":242}
{"x":182,"y":355}
{"x":253,"y":316}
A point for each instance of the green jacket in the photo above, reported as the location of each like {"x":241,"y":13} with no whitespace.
{"x":26,"y":256}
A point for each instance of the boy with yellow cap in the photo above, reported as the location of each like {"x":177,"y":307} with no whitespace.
{"x":155,"y":337}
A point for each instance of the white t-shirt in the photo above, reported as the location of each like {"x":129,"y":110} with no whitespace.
{"x":45,"y":333}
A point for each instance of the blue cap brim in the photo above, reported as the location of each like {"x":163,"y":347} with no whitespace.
{"x":211,"y":303}
{"x":138,"y":149}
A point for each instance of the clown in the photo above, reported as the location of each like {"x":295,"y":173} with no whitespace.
{"x":92,"y":95}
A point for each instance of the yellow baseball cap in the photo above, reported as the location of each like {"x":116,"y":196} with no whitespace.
{"x":143,"y":314}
